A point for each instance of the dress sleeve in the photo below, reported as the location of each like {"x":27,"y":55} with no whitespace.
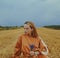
{"x":17,"y":50}
{"x":43,"y":47}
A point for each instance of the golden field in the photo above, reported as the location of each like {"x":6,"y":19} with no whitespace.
{"x":8,"y":40}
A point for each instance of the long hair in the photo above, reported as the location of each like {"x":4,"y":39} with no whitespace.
{"x":32,"y":26}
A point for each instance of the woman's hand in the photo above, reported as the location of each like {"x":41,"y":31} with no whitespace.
{"x":34,"y":53}
{"x":31,"y":53}
{"x":37,"y":49}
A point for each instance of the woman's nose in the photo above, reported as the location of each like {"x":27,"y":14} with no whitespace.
{"x":25,"y":30}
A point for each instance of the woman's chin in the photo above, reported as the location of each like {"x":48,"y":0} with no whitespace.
{"x":26,"y":33}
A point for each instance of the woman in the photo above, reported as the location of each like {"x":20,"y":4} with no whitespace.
{"x":30,"y":44}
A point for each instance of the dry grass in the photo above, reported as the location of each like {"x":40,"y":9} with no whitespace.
{"x":8,"y":39}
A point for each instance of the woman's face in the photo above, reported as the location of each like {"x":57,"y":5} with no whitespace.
{"x":27,"y":29}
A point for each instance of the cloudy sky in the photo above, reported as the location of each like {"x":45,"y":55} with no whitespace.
{"x":41,"y":12}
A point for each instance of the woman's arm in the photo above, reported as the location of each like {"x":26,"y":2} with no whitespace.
{"x":18,"y":46}
{"x":43,"y":47}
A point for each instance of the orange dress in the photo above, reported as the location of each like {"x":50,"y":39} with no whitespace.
{"x":23,"y":45}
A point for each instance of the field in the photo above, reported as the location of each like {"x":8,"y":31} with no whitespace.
{"x":8,"y":40}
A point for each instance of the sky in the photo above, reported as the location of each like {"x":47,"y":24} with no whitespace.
{"x":41,"y":12}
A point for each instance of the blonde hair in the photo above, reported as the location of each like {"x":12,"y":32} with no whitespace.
{"x":32,"y":26}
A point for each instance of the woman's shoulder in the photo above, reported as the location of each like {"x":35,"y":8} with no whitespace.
{"x":22,"y":35}
{"x":39,"y":38}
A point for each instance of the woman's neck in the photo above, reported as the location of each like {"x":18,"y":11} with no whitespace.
{"x":29,"y":35}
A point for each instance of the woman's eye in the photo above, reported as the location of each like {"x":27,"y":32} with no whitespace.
{"x":26,"y":28}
